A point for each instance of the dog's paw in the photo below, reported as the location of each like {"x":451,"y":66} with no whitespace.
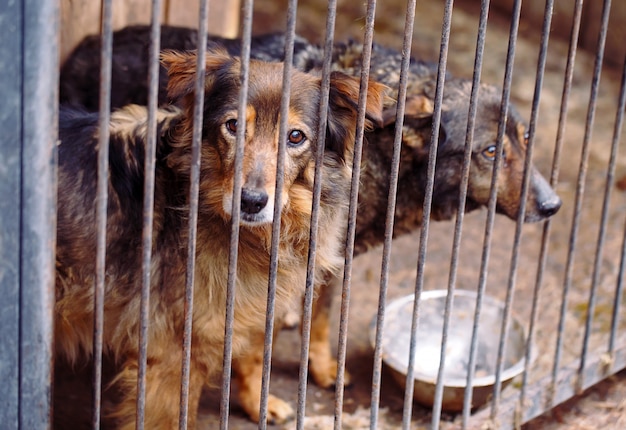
{"x":278,"y":411}
{"x":324,"y":373}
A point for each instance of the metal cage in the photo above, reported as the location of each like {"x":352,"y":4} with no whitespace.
{"x":29,"y":62}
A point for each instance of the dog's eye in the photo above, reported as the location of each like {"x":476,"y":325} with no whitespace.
{"x":296,"y":137}
{"x":526,"y":137}
{"x":231,"y":126}
{"x":490,"y":152}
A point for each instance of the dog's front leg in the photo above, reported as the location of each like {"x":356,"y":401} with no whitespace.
{"x":322,"y":365}
{"x":163,"y":383}
{"x":248,"y":369}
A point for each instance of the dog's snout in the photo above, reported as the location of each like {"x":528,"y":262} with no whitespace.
{"x":550,"y":207}
{"x":545,"y":202}
{"x":253,"y":201}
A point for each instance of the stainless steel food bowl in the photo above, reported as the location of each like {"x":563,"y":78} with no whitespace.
{"x":397,"y":335}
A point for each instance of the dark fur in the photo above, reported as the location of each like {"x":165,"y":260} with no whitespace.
{"x":542,"y":201}
{"x":80,"y":72}
{"x":78,"y":133}
{"x":131,"y":46}
{"x":79,"y":80}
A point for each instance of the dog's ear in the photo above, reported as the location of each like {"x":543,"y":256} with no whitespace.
{"x":343,"y":105}
{"x":417,"y":124}
{"x":416,"y":133}
{"x":417,"y":106}
{"x":181,"y":69}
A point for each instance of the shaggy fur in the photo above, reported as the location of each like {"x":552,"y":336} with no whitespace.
{"x":542,"y":201}
{"x":77,"y":236}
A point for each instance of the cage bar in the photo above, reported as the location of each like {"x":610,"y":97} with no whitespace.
{"x":317,"y":191}
{"x":194,"y":191}
{"x":101,"y":206}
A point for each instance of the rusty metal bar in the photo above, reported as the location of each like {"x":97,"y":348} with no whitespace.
{"x":467,"y":156}
{"x":148,"y":211}
{"x":619,"y":287}
{"x":543,"y":253}
{"x":582,"y":173}
{"x":506,"y":94}
{"x":391,"y":211}
{"x":441,"y":75}
{"x":317,"y":191}
{"x":368,"y":37}
{"x":606,"y":9}
{"x":428,"y":195}
{"x":236,"y":213}
{"x":567,"y":281}
{"x":278,"y":198}
{"x":194,"y":190}
{"x":101,"y":205}
{"x":541,"y":63}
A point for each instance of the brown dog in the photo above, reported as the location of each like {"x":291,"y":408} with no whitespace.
{"x":77,"y":236}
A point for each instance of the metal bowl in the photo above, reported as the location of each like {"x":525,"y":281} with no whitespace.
{"x":396,"y":340}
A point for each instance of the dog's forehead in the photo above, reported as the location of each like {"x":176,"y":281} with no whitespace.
{"x":265,"y":93}
{"x":488,"y":114}
{"x":270,"y":75}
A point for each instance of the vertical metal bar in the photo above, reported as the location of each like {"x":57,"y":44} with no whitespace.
{"x":545,"y":35}
{"x":606,"y":9}
{"x":11,"y":64}
{"x":498,"y":162}
{"x":428,"y":195}
{"x":543,"y":253}
{"x":40,"y":66}
{"x":391,"y":211}
{"x":278,"y":198}
{"x":354,"y":195}
{"x":236,"y":213}
{"x":101,"y":206}
{"x":471,"y":121}
{"x":194,"y":190}
{"x":443,"y":57}
{"x":569,"y":73}
{"x":317,"y":191}
{"x":619,"y":120}
{"x":504,"y":106}
{"x":148,"y":211}
{"x":580,"y":187}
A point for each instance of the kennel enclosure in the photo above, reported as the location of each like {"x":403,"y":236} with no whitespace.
{"x":562,"y":62}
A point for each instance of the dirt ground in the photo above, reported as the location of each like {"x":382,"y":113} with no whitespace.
{"x":604,"y":405}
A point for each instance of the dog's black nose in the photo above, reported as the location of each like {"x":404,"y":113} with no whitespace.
{"x":253,"y":201}
{"x":550,"y":207}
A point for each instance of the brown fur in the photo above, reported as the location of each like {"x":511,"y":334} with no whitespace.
{"x":76,"y":232}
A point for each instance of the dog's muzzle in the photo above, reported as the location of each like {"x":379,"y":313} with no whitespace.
{"x":253,"y":201}
{"x":256,"y":207}
{"x":546,"y":202}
